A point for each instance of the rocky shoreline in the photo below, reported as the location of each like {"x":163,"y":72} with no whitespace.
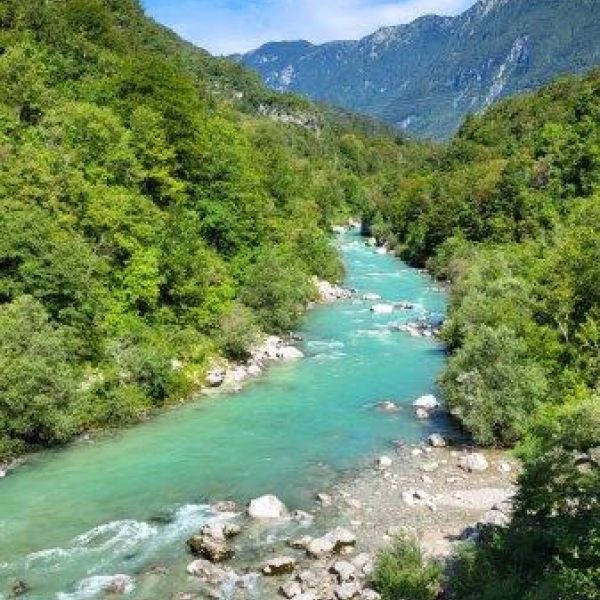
{"x":436,"y":493}
{"x":226,"y":376}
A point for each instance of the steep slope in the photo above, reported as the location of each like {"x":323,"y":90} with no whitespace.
{"x":427,"y":75}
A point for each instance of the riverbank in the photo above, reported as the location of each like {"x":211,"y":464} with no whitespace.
{"x":125,"y":504}
{"x":438,"y":496}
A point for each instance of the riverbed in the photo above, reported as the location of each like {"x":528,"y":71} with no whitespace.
{"x":125,"y":503}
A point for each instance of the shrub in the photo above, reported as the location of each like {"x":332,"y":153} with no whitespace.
{"x":401,"y":573}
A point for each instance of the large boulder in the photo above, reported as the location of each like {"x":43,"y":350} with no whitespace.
{"x":332,"y":542}
{"x":428,"y":402}
{"x":473,"y":462}
{"x":384,"y":462}
{"x":267,"y":507}
{"x":281,"y":565}
{"x":211,"y":548}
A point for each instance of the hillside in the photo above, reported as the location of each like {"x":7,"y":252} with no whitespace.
{"x":507,"y":213}
{"x":428,"y":75}
{"x":159,"y":207}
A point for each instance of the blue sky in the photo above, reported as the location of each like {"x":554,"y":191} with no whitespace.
{"x":228,"y":26}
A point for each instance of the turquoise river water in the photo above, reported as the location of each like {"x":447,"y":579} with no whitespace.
{"x":71,"y":518}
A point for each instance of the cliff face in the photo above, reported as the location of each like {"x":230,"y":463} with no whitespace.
{"x":427,"y":75}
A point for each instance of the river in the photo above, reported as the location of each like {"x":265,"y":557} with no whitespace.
{"x":123,"y":503}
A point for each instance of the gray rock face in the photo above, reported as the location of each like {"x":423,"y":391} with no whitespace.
{"x":267,"y":507}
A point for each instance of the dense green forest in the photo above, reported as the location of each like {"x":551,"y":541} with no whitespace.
{"x":509,"y":214}
{"x":158,"y":207}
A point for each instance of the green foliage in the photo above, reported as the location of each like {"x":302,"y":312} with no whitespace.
{"x":401,"y":573}
{"x":493,"y":387}
{"x":157,"y":205}
{"x":508,"y":214}
{"x":38,"y":376}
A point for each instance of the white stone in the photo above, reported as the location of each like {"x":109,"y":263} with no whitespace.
{"x":216,"y":377}
{"x":384,"y":462}
{"x":347,"y":591}
{"x":473,"y":462}
{"x":267,"y":507}
{"x":428,"y":402}
{"x":422,"y":414}
{"x":344,"y":571}
{"x":291,"y":589}
{"x":382,"y":309}
{"x":504,"y":467}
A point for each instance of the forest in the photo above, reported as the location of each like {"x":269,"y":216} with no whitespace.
{"x":157,"y":211}
{"x":160,"y":207}
{"x":508,"y":214}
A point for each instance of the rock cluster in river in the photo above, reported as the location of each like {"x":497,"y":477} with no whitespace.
{"x":232,"y":376}
{"x":330,"y":292}
{"x":320,"y":569}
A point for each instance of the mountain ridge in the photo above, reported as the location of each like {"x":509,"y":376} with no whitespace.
{"x":427,"y":75}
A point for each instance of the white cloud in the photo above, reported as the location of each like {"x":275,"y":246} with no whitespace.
{"x":228,"y":26}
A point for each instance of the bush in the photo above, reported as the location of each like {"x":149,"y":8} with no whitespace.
{"x":493,"y":386}
{"x":401,"y":573}
{"x":238,"y":333}
{"x":38,"y":380}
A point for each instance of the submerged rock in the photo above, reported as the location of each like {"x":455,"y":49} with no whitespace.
{"x":387,"y":406}
{"x":210,"y":548}
{"x":267,"y":507}
{"x":289,"y":353}
{"x":332,"y":542}
{"x":371,"y":297}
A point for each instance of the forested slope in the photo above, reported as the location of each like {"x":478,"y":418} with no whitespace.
{"x":158,"y":206}
{"x":509,"y":213}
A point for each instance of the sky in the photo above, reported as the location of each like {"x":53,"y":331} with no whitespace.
{"x":229,"y":26}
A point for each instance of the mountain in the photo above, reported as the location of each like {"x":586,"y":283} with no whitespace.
{"x":427,"y":75}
